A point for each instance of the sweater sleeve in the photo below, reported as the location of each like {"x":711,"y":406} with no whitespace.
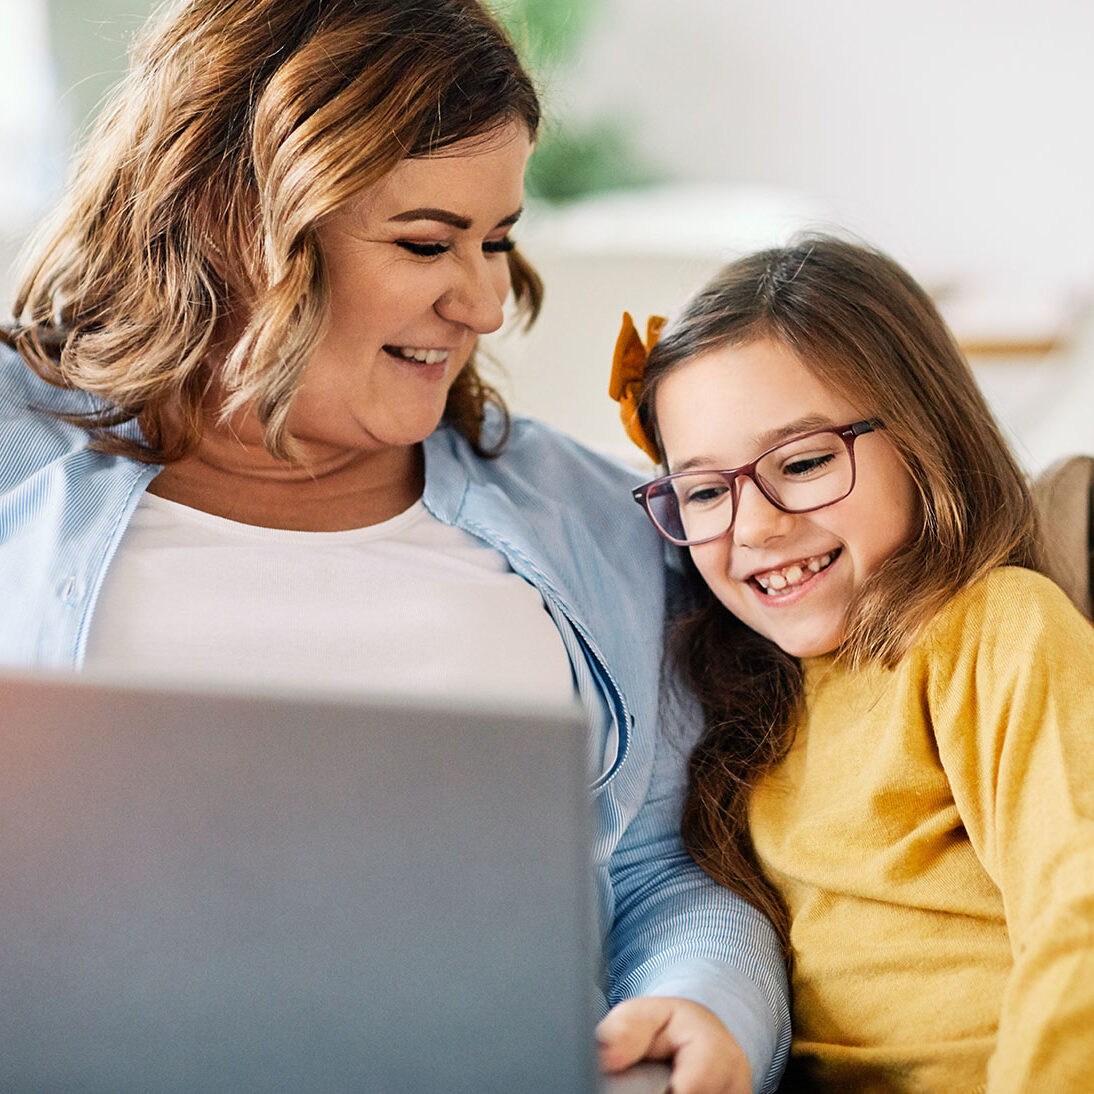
{"x":1014,"y":720}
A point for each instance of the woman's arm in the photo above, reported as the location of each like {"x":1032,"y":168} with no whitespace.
{"x":676,"y":934}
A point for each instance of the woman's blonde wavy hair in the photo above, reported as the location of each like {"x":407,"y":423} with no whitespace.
{"x":862,"y":325}
{"x":189,"y":228}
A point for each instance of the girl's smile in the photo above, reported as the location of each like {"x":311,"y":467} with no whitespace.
{"x":791,"y":577}
{"x":782,"y":582}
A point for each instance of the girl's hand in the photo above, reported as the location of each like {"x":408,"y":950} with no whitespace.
{"x":704,"y":1056}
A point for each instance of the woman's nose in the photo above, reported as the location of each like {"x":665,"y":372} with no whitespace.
{"x":757,"y":521}
{"x":477,"y":295}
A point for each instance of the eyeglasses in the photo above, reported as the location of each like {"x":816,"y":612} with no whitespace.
{"x":807,"y":472}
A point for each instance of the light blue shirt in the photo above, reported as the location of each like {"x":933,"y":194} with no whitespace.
{"x":561,"y":516}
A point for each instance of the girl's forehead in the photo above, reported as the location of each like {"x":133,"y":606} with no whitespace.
{"x":725,"y":407}
{"x":759,"y":357}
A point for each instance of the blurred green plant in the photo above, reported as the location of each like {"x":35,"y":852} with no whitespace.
{"x":90,"y":41}
{"x":572,"y":157}
{"x":547,"y":32}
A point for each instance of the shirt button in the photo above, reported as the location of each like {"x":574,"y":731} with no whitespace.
{"x":70,"y":590}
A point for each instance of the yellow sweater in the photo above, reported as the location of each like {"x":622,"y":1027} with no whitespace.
{"x":932,"y":831}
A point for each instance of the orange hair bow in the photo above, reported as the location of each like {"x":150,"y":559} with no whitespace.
{"x":628,"y":371}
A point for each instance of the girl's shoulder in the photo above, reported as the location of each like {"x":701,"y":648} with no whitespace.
{"x":1009,"y":588}
{"x":1009,"y":610}
{"x":1006,"y":660}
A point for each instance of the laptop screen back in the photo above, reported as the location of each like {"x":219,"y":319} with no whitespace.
{"x":220,"y":892}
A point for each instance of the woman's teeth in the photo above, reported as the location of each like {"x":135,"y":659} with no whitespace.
{"x":775,"y":582}
{"x":422,"y":356}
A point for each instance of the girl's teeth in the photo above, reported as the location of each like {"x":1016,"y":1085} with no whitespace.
{"x":775,"y":582}
{"x":424,"y":356}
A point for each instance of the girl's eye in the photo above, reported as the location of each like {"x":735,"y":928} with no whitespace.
{"x":707,"y":494}
{"x":807,"y":465}
{"x":498,"y":246}
{"x":423,"y":250}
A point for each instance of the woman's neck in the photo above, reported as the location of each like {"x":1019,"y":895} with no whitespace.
{"x":328,"y":491}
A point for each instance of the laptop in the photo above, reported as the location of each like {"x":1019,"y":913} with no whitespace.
{"x":211,"y":890}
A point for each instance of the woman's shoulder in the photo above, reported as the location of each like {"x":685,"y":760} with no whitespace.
{"x":565,"y":496}
{"x":24,"y":395}
{"x":531,"y":442}
{"x":36,"y":435}
{"x":543,"y":461}
{"x":20,"y":385}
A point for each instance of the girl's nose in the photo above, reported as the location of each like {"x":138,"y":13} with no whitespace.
{"x":757,"y":521}
{"x":477,"y":295}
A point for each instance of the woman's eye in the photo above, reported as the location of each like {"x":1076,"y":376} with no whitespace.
{"x":432,"y":250}
{"x":498,"y":246}
{"x":423,"y":250}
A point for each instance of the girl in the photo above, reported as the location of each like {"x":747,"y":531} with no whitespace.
{"x":896,"y":763}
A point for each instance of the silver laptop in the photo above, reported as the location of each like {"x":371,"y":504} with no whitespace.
{"x":206,"y":891}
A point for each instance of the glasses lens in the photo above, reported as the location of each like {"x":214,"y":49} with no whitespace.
{"x":808,"y":472}
{"x":805,"y":473}
{"x":692,"y":507}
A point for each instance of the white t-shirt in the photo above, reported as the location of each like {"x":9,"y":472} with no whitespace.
{"x":409,"y":606}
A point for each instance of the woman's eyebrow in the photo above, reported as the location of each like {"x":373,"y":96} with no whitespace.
{"x":445,"y":216}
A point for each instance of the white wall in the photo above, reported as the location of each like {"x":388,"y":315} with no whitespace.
{"x":31,"y":131}
{"x":32,"y":128}
{"x":955,"y":133}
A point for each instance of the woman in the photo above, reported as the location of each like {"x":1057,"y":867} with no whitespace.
{"x":249,"y":432}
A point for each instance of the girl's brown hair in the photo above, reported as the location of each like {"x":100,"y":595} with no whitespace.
{"x":863,"y":326}
{"x":190,"y":223}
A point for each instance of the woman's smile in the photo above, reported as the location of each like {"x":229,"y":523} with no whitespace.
{"x":418,"y":267}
